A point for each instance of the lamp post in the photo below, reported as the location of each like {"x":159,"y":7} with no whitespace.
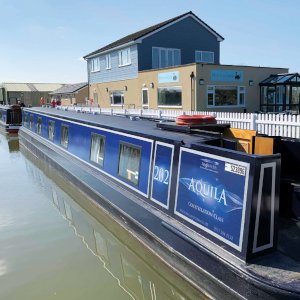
{"x":192,"y":76}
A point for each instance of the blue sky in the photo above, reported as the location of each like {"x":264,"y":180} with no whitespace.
{"x":43,"y":40}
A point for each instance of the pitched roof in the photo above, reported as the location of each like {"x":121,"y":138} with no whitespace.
{"x":69,"y":88}
{"x":30,"y":87}
{"x":140,"y":34}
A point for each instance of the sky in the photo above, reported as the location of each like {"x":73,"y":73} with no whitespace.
{"x":45,"y":40}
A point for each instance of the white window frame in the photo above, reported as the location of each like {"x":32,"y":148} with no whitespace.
{"x":108,"y":61}
{"x":122,"y":98}
{"x":173,"y":56}
{"x":200,"y":52}
{"x":124,"y":57}
{"x":211,"y":89}
{"x":95,"y":64}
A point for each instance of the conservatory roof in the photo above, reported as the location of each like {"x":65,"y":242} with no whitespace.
{"x":287,"y":78}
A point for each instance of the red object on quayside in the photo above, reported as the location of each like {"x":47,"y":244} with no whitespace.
{"x":195,"y":120}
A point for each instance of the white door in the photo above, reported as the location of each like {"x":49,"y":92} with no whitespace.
{"x":145,"y":98}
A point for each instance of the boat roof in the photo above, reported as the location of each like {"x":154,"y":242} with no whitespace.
{"x":141,"y":127}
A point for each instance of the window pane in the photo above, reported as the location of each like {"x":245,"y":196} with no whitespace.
{"x":25,"y":119}
{"x":225,"y":95}
{"x":129,"y":162}
{"x":155,"y":58}
{"x":39,"y":125}
{"x":51,"y":130}
{"x":210,"y":99}
{"x":163,"y":58}
{"x":295,"y":95}
{"x":207,"y":57}
{"x":31,"y":122}
{"x":170,"y":96}
{"x":64,"y":138}
{"x":177,"y":58}
{"x":145,"y":97}
{"x":170,"y":58}
{"x":97,"y":149}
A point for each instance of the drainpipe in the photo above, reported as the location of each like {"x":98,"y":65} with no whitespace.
{"x":192,"y":76}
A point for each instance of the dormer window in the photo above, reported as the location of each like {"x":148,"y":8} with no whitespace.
{"x":124,"y":57}
{"x":205,"y":57}
{"x":95,"y":64}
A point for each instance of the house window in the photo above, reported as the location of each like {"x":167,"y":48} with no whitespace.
{"x":124,"y":57}
{"x":165,"y":57}
{"x":64,"y":136}
{"x":205,"y":57}
{"x":39,"y":126}
{"x":95,"y":64}
{"x":31,"y":122}
{"x":129,"y":162}
{"x":107,"y":60}
{"x":117,"y":98}
{"x":226,"y":95}
{"x":51,"y":125}
{"x":169,"y":96}
{"x":97,"y":149}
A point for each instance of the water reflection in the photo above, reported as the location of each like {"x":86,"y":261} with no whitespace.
{"x":12,"y":141}
{"x":137,"y":272}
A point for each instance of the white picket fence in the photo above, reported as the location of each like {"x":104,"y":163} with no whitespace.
{"x":268,"y":124}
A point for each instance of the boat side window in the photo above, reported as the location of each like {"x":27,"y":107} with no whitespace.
{"x":97,"y":149}
{"x":51,"y":130}
{"x":129,"y":162}
{"x":64,"y":135}
{"x":31,"y":122}
{"x":26,"y":119}
{"x":39,"y":126}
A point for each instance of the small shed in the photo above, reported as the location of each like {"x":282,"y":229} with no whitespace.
{"x":71,"y":94}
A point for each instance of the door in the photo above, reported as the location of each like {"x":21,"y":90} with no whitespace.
{"x":145,"y":98}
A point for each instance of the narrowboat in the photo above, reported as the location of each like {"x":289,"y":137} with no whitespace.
{"x":212,"y":213}
{"x":10,"y":118}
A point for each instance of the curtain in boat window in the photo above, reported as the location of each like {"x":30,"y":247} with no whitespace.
{"x":129,"y":162}
{"x":97,"y":149}
{"x":64,"y":138}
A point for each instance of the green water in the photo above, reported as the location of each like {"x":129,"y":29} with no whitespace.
{"x":56,"y":244}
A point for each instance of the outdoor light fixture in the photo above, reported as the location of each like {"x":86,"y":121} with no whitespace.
{"x":251,"y":82}
{"x":125,"y":88}
{"x":201,"y":81}
{"x":151,"y":85}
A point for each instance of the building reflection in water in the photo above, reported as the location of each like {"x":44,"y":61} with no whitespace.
{"x":12,"y":141}
{"x":139,"y":278}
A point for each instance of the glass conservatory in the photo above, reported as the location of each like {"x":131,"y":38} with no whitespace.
{"x":280,"y":93}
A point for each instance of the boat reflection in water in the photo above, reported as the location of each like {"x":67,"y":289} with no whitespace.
{"x":136,"y":270}
{"x":13,"y":142}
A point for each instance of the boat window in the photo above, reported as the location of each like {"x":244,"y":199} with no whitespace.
{"x":129,"y":162}
{"x":31,"y":122}
{"x":97,"y":149}
{"x":26,"y":119}
{"x":51,"y":130}
{"x":64,"y":137}
{"x":39,"y":125}
{"x":0,"y":114}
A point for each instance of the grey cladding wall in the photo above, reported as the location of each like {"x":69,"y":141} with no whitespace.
{"x":187,"y":35}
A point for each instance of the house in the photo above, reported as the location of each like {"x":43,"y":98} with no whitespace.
{"x":71,"y":94}
{"x":174,"y":64}
{"x":28,"y":93}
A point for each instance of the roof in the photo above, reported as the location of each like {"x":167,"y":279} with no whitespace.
{"x":31,"y":87}
{"x":142,"y":33}
{"x":286,"y":78}
{"x":69,"y":88}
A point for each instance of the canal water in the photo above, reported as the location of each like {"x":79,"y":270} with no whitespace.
{"x":56,"y":244}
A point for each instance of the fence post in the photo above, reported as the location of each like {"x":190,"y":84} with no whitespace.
{"x":253,"y":124}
